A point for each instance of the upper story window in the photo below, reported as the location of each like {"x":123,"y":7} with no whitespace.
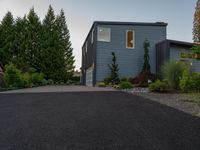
{"x":104,"y":34}
{"x":130,"y":39}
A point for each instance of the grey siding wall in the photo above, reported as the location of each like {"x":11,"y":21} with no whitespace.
{"x":130,"y":60}
{"x":175,"y":52}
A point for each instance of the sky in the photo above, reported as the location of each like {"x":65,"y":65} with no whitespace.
{"x":80,"y":15}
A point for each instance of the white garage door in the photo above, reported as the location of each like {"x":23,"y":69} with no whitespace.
{"x":89,"y":76}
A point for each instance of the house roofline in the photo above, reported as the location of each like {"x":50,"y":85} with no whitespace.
{"x":131,"y":23}
{"x":123,"y":23}
{"x":175,"y":42}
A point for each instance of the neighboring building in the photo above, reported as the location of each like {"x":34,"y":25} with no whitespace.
{"x":126,"y":39}
{"x":176,"y":50}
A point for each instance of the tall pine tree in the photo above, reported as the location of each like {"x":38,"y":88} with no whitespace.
{"x":33,"y":41}
{"x":6,"y":39}
{"x":45,"y":46}
{"x":65,"y":45}
{"x":53,"y":52}
{"x":196,"y":23}
{"x":20,"y":58}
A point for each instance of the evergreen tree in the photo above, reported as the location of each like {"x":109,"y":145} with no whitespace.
{"x":114,"y":70}
{"x":52,"y":55}
{"x":65,"y":46}
{"x":6,"y":38}
{"x":45,"y":46}
{"x":33,"y":40}
{"x":146,"y":66}
{"x":20,"y":58}
{"x":196,"y":23}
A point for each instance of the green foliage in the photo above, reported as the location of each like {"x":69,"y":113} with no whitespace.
{"x":15,"y":79}
{"x":12,"y":76}
{"x":196,"y":81}
{"x":107,"y":81}
{"x":146,"y":66}
{"x":172,"y":71}
{"x":196,"y":23}
{"x":6,"y":38}
{"x":185,"y":82}
{"x":44,"y":82}
{"x":190,"y":83}
{"x":158,"y":86}
{"x":29,"y":43}
{"x":124,"y":79}
{"x":101,"y":84}
{"x":37,"y":79}
{"x":196,"y":49}
{"x":114,"y":70}
{"x":50,"y":82}
{"x":125,"y":85}
{"x":75,"y":80}
{"x":26,"y":79}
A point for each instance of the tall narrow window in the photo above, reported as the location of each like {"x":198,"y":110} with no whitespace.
{"x":104,"y":34}
{"x":130,"y":39}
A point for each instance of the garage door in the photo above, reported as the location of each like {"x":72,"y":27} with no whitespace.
{"x":89,"y":76}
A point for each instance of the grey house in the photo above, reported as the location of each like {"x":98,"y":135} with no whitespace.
{"x":126,"y":40}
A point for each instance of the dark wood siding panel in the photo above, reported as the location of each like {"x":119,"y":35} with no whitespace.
{"x":89,"y":56}
{"x":162,"y":54}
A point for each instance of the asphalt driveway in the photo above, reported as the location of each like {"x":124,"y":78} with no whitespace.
{"x":93,"y":121}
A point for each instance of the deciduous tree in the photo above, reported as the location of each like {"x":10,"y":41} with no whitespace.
{"x":196,"y":23}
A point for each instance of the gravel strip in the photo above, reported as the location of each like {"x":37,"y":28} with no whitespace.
{"x":173,"y":100}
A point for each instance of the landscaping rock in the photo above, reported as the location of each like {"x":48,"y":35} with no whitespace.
{"x":175,"y":100}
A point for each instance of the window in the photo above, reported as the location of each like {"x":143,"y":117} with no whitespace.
{"x":130,"y":39}
{"x":104,"y":34}
{"x":92,"y":37}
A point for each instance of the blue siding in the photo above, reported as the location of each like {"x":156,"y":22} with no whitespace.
{"x":130,"y":61}
{"x":175,"y":52}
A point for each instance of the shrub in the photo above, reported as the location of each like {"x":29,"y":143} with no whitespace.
{"x":44,"y":82}
{"x":101,"y":84}
{"x":196,"y":49}
{"x":172,"y":72}
{"x":142,"y":79}
{"x":114,"y":70}
{"x":36,"y":78}
{"x":107,"y":81}
{"x":124,"y":79}
{"x":185,"y":82}
{"x":75,"y":80}
{"x":158,"y":86}
{"x":196,"y":81}
{"x":26,"y":78}
{"x":50,"y":82}
{"x":125,"y":85}
{"x":12,"y":76}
